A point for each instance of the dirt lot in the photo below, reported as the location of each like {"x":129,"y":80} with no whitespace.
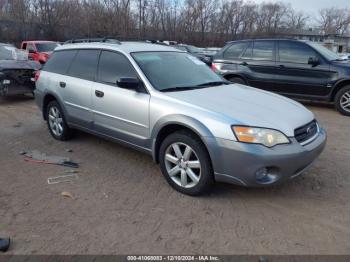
{"x":122,"y":204}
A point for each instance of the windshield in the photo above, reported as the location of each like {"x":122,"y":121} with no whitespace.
{"x":328,"y":54}
{"x":169,"y":71}
{"x":9,"y":52}
{"x":46,"y":47}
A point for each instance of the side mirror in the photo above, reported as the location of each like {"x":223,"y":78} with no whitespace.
{"x":314,"y":61}
{"x":131,"y":83}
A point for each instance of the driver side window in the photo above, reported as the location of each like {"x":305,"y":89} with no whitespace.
{"x":292,"y":52}
{"x":113,"y":66}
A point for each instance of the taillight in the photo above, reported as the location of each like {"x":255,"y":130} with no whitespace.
{"x":36,"y":75}
{"x":214,"y":67}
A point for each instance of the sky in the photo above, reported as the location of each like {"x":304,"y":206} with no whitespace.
{"x":311,"y":6}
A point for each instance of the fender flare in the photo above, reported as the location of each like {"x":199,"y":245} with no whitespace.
{"x":182,"y":120}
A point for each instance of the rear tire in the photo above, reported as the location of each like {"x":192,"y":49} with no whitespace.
{"x":56,"y":122}
{"x":185,"y":163}
{"x":342,"y":101}
{"x":237,"y":80}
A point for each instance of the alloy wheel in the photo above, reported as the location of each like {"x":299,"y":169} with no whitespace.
{"x":55,"y":121}
{"x":345,"y":101}
{"x":183,"y":165}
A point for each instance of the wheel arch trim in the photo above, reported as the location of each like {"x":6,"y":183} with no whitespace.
{"x":177,"y":120}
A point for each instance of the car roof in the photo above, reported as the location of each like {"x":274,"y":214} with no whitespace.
{"x":126,"y":47}
{"x":267,"y":39}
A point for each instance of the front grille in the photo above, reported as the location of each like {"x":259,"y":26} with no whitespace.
{"x":306,"y":132}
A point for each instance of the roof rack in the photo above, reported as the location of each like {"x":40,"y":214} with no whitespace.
{"x":94,"y":40}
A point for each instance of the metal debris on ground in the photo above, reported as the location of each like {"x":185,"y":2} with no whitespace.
{"x":67,"y":194}
{"x":61,"y":179}
{"x":4,"y":244}
{"x":36,"y":156}
{"x":72,"y":171}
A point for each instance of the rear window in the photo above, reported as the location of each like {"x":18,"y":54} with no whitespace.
{"x":84,"y":64}
{"x":60,"y":61}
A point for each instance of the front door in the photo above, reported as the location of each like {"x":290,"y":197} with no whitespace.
{"x":119,"y":113}
{"x":296,"y":76}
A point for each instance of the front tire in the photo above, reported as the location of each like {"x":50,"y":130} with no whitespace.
{"x":185,"y":163}
{"x":342,"y":101}
{"x":56,"y":122}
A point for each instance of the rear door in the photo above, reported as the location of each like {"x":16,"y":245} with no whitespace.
{"x":296,"y":76}
{"x":76,"y":87}
{"x":259,"y":59}
{"x":119,"y":113}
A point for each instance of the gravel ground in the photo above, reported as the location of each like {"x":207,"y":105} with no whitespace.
{"x":123,"y":205}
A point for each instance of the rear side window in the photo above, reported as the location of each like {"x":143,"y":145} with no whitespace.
{"x":248,"y":52}
{"x":235,"y":50}
{"x":113,"y":66}
{"x":84,"y":64}
{"x":291,"y":52}
{"x":263,"y":50}
{"x":60,"y":61}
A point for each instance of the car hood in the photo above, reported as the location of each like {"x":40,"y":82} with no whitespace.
{"x":248,"y":106}
{"x":18,"y":64}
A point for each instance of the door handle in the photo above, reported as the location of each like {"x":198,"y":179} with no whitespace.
{"x":62,"y":84}
{"x":99,"y":93}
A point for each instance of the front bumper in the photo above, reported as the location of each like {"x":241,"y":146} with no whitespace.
{"x":238,"y":163}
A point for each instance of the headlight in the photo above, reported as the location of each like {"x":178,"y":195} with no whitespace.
{"x":256,"y":135}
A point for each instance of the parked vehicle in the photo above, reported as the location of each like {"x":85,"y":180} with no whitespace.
{"x":199,"y":127}
{"x":344,"y":56}
{"x":39,"y":50}
{"x":16,"y":72}
{"x":195,"y":51}
{"x":294,"y":68}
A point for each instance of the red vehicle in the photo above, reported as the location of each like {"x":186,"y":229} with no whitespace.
{"x":39,"y":50}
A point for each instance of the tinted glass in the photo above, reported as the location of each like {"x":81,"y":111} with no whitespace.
{"x":248,"y":52}
{"x":328,"y":54}
{"x":294,"y":52}
{"x":46,"y":47}
{"x":263,"y":50}
{"x":113,"y":66}
{"x":235,"y":50}
{"x":84,"y":64}
{"x":171,"y":70}
{"x":60,"y":61}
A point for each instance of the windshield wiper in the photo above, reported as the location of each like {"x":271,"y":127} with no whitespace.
{"x":178,"y":88}
{"x":214,"y":83}
{"x":204,"y":85}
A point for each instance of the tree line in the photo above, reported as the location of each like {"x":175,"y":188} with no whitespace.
{"x":200,"y":22}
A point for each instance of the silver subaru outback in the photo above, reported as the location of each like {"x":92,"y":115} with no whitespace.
{"x":197,"y":126}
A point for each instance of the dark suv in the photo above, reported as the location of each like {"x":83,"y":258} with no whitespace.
{"x":300,"y":69}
